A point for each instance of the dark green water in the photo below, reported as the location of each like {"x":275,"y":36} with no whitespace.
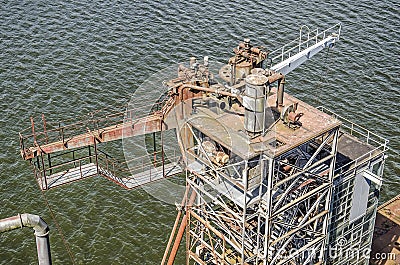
{"x":65,"y":58}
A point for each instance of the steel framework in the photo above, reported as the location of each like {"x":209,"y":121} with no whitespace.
{"x":267,"y":207}
{"x":269,"y":178}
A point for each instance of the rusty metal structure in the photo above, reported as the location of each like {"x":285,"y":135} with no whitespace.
{"x":270,"y":179}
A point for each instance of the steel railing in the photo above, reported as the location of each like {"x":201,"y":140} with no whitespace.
{"x":97,"y":120}
{"x":379,"y":144}
{"x":298,"y":44}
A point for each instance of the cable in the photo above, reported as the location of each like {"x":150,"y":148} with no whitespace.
{"x":59,"y":230}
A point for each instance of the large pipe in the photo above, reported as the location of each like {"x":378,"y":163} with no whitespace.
{"x":41,"y":233}
{"x":178,"y":240}
{"x":281,"y":91}
{"x":281,"y":87}
{"x":274,"y":77}
{"x":181,"y":230}
{"x":206,"y":89}
{"x":171,"y":237}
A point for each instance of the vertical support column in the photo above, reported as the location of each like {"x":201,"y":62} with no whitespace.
{"x":200,"y":201}
{"x":95,"y":154}
{"x":268,"y":210}
{"x":90,"y":154}
{"x":188,"y":236}
{"x":36,"y":168}
{"x":44,"y":170}
{"x":49,"y":161}
{"x":331,"y":175}
{"x":185,"y":135}
{"x":245,"y":185}
{"x":162,"y":146}
{"x":186,"y":196}
{"x":155,"y":148}
{"x":264,"y":167}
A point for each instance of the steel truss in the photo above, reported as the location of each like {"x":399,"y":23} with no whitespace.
{"x":263,"y":210}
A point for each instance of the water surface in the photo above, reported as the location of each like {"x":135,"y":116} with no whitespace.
{"x":66,"y":58}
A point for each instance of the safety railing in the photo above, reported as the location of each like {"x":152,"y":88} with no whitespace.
{"x":148,"y":166}
{"x":312,"y":37}
{"x":49,"y":132}
{"x":378,"y":143}
{"x":48,"y":170}
{"x":358,"y":131}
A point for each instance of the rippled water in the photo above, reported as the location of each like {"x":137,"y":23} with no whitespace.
{"x":65,"y":58}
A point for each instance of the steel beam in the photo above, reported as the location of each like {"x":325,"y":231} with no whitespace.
{"x":145,"y":125}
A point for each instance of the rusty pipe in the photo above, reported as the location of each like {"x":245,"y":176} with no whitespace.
{"x":41,"y":233}
{"x":181,"y":231}
{"x":280,"y":93}
{"x":275,"y":77}
{"x":178,"y":217}
{"x":217,"y":91}
{"x":178,"y":240}
{"x":171,"y":237}
{"x":206,"y":89}
{"x":281,"y":87}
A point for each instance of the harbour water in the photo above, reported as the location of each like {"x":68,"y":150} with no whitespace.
{"x":67,"y":58}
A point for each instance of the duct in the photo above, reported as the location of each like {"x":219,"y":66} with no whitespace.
{"x":41,"y":233}
{"x":274,"y":77}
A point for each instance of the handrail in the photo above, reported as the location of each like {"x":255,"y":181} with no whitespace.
{"x":379,"y":143}
{"x":60,"y":165}
{"x":354,"y":129}
{"x":296,"y":44}
{"x":118,"y":166}
{"x":300,"y":37}
{"x":56,"y":132}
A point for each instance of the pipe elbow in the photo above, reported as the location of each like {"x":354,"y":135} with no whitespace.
{"x":36,"y":222}
{"x":275,"y":77}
